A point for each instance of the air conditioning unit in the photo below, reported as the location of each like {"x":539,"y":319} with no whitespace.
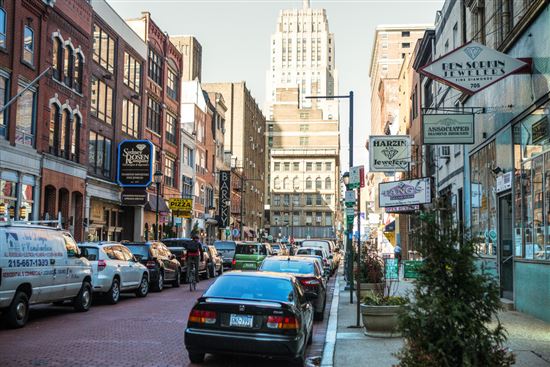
{"x":445,"y":151}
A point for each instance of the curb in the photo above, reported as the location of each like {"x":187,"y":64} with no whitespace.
{"x":330,"y":339}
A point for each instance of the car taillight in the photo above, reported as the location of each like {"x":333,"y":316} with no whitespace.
{"x":309,"y":282}
{"x":151,"y":264}
{"x":101,"y":264}
{"x":202,"y":317}
{"x":282,"y":322}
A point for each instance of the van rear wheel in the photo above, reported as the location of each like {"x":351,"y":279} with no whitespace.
{"x":17,"y":313}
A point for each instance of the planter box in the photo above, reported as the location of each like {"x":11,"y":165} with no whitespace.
{"x":380,"y":321}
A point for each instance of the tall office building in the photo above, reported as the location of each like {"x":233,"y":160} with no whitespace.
{"x":303,"y":142}
{"x":302,"y":55}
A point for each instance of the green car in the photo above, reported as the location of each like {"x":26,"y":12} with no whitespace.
{"x":249,"y":255}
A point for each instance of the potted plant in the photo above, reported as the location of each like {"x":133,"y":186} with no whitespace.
{"x":380,"y":314}
{"x":371,"y":272}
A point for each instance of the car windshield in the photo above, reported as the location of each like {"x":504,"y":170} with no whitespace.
{"x":310,"y":251}
{"x":322,"y":244}
{"x":142,"y":252}
{"x":224,"y":245}
{"x":250,"y":287}
{"x":247,"y":249}
{"x":176,"y":243}
{"x":90,"y":253}
{"x":288,"y":266}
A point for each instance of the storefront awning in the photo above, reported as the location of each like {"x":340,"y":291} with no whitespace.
{"x":151,"y":205}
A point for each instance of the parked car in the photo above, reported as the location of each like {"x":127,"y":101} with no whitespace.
{"x":280,"y":249}
{"x":319,"y":260}
{"x":334,"y":256}
{"x":180,"y":245}
{"x":163,"y":266}
{"x":249,"y":255}
{"x":251,"y":313}
{"x":216,"y":261}
{"x":35,"y":263}
{"x":321,"y":253}
{"x":227,"y":250}
{"x":115,"y":270}
{"x":308,"y":272}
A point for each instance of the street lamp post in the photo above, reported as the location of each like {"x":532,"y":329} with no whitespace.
{"x":349,"y":248}
{"x":158,"y":180}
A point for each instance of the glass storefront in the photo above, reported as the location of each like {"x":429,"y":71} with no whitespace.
{"x":12,"y":187}
{"x":532,"y":185}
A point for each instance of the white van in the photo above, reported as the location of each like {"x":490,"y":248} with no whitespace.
{"x":40,"y":265}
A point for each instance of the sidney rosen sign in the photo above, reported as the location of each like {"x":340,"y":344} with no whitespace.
{"x":135,"y":163}
{"x":408,"y":192}
{"x":472,"y":67}
{"x":448,"y":129}
{"x":389,"y":153}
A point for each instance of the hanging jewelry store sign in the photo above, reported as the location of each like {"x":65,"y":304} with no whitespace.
{"x":473,"y":67}
{"x":407,"y":192}
{"x":448,"y":129}
{"x":389,"y":153}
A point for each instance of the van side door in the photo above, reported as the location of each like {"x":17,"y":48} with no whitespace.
{"x":76,"y":268}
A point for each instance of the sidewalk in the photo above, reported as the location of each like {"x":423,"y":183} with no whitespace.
{"x":528,"y":337}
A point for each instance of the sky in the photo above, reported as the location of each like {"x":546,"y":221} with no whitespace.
{"x":235,"y":39}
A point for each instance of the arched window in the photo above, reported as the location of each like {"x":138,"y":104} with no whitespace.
{"x":318,"y":183}
{"x":296,"y":183}
{"x":68,"y":64}
{"x":75,"y":138}
{"x":28,"y":45}
{"x":286,"y":183}
{"x":328,"y":183}
{"x":78,"y":70}
{"x":277,"y":183}
{"x":64,"y":133}
{"x":309,"y":183}
{"x":2,"y":28}
{"x":57,"y":58}
{"x":54,"y":128}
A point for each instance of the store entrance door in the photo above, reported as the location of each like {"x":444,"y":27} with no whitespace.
{"x":506,"y":256}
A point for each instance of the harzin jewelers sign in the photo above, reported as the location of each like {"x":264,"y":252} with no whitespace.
{"x":472,"y":67}
{"x":389,"y":153}
{"x":448,"y":129}
{"x":407,"y":192}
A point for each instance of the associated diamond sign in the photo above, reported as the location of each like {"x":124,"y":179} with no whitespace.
{"x":472,"y":67}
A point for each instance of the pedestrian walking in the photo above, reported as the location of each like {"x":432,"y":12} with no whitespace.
{"x":193,"y":256}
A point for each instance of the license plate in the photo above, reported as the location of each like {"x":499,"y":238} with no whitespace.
{"x":249,"y":266}
{"x":241,"y":320}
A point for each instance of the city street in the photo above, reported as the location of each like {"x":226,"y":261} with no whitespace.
{"x":134,"y":332}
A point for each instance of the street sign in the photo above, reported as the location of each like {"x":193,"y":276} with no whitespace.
{"x":350,"y":198}
{"x":134,"y":196}
{"x":350,"y":212}
{"x":356,"y":177}
{"x":235,"y":232}
{"x":135,"y":163}
{"x":270,"y":238}
{"x":410,"y":268}
{"x":181,"y":204}
{"x":227,"y":232}
{"x":391,"y":269}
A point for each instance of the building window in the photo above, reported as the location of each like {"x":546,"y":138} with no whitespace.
{"x":295,"y":166}
{"x":130,"y":118}
{"x":169,"y":172}
{"x":78,"y":72}
{"x":318,"y":183}
{"x":57,"y":58}
{"x":68,"y":63}
{"x":75,"y":138}
{"x":188,"y":156}
{"x":172,"y":84}
{"x":26,"y":115}
{"x":104,"y":49}
{"x":64,"y":133}
{"x":276,"y":200}
{"x":296,"y":183}
{"x":328,"y":219}
{"x":277,"y":166}
{"x":309,"y":199}
{"x":328,"y":166}
{"x":132,"y":72}
{"x":309,"y":183}
{"x":3,"y":94}
{"x":405,"y":34}
{"x":99,"y":154}
{"x":101,"y":101}
{"x":309,"y":218}
{"x":318,"y":166}
{"x":309,"y":166}
{"x":304,"y":140}
{"x":318,"y":199}
{"x":153,"y":115}
{"x":55,"y":120}
{"x":2,"y":31}
{"x":287,"y":166}
{"x":328,"y":183}
{"x":171,"y":122}
{"x":155,"y":67}
{"x":28,"y":45}
{"x":277,"y":183}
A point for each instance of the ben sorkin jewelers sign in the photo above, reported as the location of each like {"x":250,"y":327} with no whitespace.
{"x":407,"y":192}
{"x":472,"y":67}
{"x":389,"y":153}
{"x":448,"y":129}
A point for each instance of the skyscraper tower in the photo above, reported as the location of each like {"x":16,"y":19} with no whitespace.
{"x":302,"y":56}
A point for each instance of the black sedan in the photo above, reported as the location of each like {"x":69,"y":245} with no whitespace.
{"x":309,"y":274}
{"x":251,"y":313}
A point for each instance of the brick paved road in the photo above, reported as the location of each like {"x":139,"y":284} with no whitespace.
{"x":135,"y":332}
